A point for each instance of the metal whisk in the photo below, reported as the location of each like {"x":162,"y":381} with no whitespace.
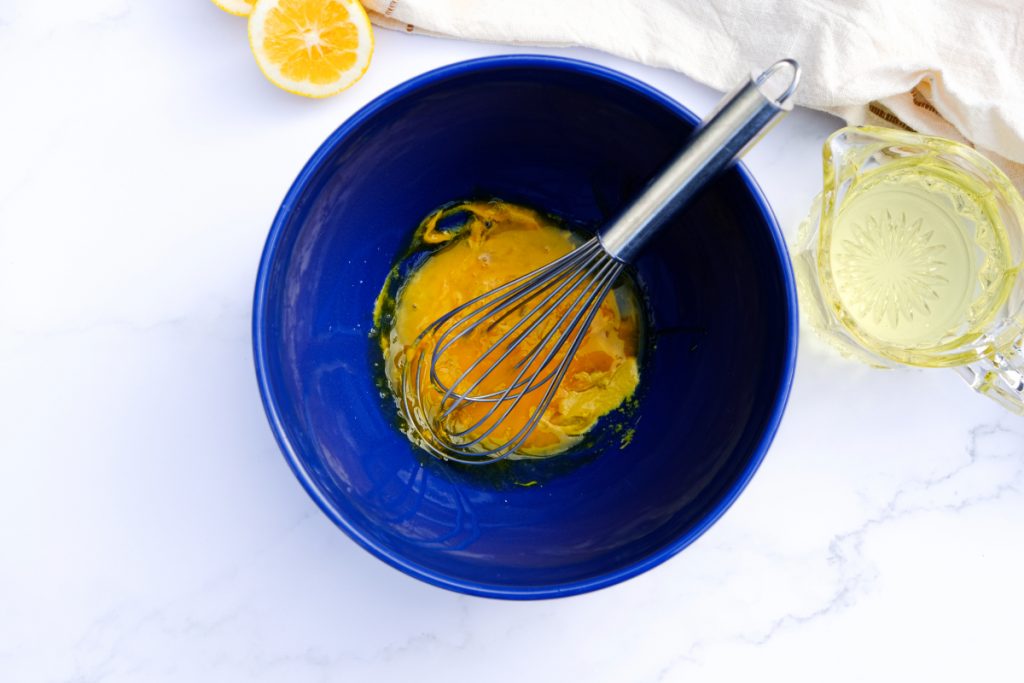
{"x":550,"y":309}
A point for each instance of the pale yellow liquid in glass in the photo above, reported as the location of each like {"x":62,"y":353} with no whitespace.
{"x":918,"y":259}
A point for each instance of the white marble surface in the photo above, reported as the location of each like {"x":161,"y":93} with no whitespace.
{"x":150,"y":530}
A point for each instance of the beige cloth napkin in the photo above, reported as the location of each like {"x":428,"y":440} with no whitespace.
{"x":953,"y":68}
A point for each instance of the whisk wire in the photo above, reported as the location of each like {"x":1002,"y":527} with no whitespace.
{"x":592,"y":279}
{"x":542,"y":279}
{"x":517,"y":287}
{"x":592,"y":289}
{"x":568,"y":284}
{"x":517,"y":440}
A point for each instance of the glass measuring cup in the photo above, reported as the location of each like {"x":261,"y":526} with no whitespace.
{"x":912,"y":255}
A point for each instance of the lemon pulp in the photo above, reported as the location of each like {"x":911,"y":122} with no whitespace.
{"x":314,"y":48}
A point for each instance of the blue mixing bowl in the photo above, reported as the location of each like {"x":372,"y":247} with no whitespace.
{"x":580,"y":141}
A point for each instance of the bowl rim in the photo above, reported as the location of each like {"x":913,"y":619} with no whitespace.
{"x":261,"y":351}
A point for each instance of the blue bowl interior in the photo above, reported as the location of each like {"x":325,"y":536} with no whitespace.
{"x":578,"y":141}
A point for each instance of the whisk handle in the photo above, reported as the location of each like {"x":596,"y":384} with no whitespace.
{"x":739,"y":120}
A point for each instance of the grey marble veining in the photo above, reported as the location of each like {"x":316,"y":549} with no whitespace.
{"x":150,"y":531}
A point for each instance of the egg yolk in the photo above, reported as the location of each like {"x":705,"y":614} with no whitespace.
{"x":498,"y":243}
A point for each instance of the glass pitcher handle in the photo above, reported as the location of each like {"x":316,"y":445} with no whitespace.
{"x":999,"y":376}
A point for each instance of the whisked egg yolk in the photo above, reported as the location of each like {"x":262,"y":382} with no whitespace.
{"x":498,"y":243}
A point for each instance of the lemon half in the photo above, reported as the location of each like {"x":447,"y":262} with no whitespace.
{"x":314,"y":48}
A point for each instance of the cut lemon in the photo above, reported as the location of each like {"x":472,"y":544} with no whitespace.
{"x":314,"y":48}
{"x":240,"y":8}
